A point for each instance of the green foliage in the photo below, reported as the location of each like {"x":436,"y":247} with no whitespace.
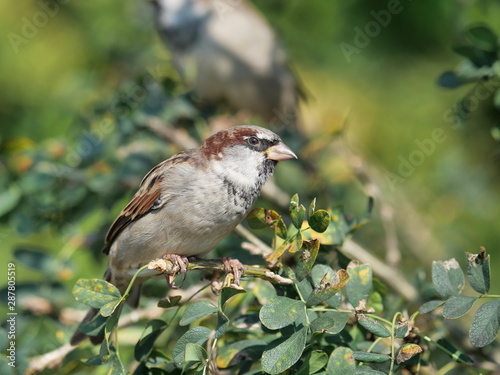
{"x":307,"y":327}
{"x":448,"y":279}
{"x":480,"y":47}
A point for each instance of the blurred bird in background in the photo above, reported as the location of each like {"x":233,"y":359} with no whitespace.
{"x":226,"y":51}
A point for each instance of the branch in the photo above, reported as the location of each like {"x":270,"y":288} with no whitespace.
{"x":254,"y":245}
{"x":168,"y":267}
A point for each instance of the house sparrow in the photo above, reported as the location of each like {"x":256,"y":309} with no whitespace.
{"x":229,"y":52}
{"x":189,"y":203}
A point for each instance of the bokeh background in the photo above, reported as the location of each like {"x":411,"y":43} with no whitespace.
{"x":381,"y":101}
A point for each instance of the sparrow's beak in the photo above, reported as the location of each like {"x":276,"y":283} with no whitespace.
{"x":280,"y":152}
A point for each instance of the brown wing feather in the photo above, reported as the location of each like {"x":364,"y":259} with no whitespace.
{"x":143,"y":201}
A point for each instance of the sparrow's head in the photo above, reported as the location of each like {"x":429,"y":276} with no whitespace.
{"x":246,"y":154}
{"x":248,"y":140}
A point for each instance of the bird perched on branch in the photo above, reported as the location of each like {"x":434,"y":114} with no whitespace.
{"x":227,"y":51}
{"x":188,"y":203}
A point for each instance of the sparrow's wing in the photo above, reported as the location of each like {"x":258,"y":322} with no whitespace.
{"x":147,"y":198}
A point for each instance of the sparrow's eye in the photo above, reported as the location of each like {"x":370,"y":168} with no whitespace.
{"x":253,"y":141}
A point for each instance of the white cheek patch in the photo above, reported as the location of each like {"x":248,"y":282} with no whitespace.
{"x":243,"y":170}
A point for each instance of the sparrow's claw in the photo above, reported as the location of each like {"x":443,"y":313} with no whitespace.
{"x":179,"y":265}
{"x":235,"y":267}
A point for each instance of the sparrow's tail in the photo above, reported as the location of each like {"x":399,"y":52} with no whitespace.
{"x":79,"y":336}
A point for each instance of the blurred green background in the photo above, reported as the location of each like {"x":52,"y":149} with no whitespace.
{"x":384,"y":96}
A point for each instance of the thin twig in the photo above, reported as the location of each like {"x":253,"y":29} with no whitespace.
{"x":254,"y":245}
{"x":167,"y":266}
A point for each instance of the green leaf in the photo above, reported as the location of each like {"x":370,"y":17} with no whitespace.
{"x":336,"y":231}
{"x":450,"y":80}
{"x":331,"y":322}
{"x":341,"y":361}
{"x":327,"y":290}
{"x":365,"y":370}
{"x":280,"y":312}
{"x":144,"y":346}
{"x":9,"y":199}
{"x":240,"y":351}
{"x":195,"y":353}
{"x":485,"y":325}
{"x":359,"y":286}
{"x":297,"y":212}
{"x":406,"y":352}
{"x":169,"y":302}
{"x":264,"y":291}
{"x":319,"y":221}
{"x":306,"y":257}
{"x":376,"y":302}
{"x":109,"y":308}
{"x":478,"y":271}
{"x":322,"y":273}
{"x":370,"y":357}
{"x":402,"y":328}
{"x":107,"y":348}
{"x":280,"y":228}
{"x":227,"y":293}
{"x":470,"y":52}
{"x":457,"y":306}
{"x":304,"y":286}
{"x":447,"y":277}
{"x":284,"y":355}
{"x":482,"y":37}
{"x":261,"y":218}
{"x":313,"y":362}
{"x":116,"y":366}
{"x":373,"y":326}
{"x":96,"y":292}
{"x":196,"y":335}
{"x":294,"y":244}
{"x":312,"y":208}
{"x":222,"y":324}
{"x":256,"y":219}
{"x":430,"y":305}
{"x":95,"y":327}
{"x":197,"y":310}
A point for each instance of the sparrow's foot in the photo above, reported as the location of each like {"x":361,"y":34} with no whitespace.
{"x":179,"y":266}
{"x":235,"y":267}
